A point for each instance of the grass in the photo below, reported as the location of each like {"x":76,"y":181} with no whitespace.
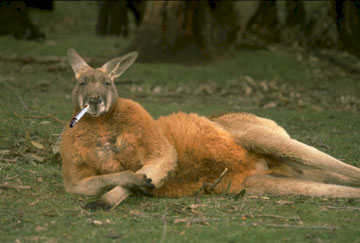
{"x":45,"y":213}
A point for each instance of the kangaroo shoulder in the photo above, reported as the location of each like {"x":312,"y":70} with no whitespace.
{"x":132,"y":111}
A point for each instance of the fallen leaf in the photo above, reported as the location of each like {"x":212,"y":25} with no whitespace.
{"x":177,"y":221}
{"x":56,"y":148}
{"x":97,"y":222}
{"x":157,"y":90}
{"x":250,"y":80}
{"x":284,"y":202}
{"x":34,"y":202}
{"x":40,"y":228}
{"x":264,"y":86}
{"x":37,"y":145}
{"x":270,"y":105}
{"x":5,"y":151}
{"x":194,"y":206}
{"x":37,"y":157}
{"x":205,"y":89}
{"x":136,"y":213}
{"x":44,"y":122}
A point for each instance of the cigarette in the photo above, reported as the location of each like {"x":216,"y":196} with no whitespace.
{"x":78,"y":116}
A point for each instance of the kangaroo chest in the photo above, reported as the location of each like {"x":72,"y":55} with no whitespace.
{"x":116,"y":152}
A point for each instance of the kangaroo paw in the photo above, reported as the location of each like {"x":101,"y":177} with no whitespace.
{"x":97,"y":205}
{"x":142,"y":186}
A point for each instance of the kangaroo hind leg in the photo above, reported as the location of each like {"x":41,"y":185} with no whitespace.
{"x":265,"y":137}
{"x":260,"y":185}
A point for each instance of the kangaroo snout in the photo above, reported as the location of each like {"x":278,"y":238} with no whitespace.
{"x":96,"y":105}
{"x":95,"y":101}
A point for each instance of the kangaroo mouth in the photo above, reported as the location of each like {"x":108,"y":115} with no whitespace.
{"x":98,"y":105}
{"x":95,"y":108}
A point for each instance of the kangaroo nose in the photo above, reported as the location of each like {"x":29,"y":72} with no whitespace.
{"x":94,"y":101}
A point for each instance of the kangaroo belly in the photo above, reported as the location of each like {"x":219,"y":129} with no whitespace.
{"x":204,"y":151}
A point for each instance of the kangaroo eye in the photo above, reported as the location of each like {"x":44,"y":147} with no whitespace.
{"x":83,"y":83}
{"x":106,"y":83}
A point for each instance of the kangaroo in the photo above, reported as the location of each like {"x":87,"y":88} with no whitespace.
{"x":118,"y":149}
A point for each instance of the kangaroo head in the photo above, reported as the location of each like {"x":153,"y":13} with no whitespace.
{"x":95,"y":87}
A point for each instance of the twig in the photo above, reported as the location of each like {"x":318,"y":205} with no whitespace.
{"x":342,"y":208}
{"x":302,"y":226}
{"x":13,"y":186}
{"x":195,"y":220}
{"x":277,"y":216}
{"x":227,"y":188}
{"x":242,"y":205}
{"x":9,"y":160}
{"x":198,"y":192}
{"x":165,"y":225}
{"x":218,"y":180}
{"x":41,"y":117}
{"x":321,"y":143}
{"x":208,"y":188}
{"x":19,"y":98}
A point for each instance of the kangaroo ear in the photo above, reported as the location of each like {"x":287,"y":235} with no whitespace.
{"x":117,"y":66}
{"x":77,"y":63}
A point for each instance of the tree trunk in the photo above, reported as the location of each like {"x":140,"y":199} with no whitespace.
{"x":113,"y":16}
{"x":263,"y":26}
{"x":294,"y":28}
{"x":183,"y":30}
{"x":15,"y":21}
{"x":43,"y":4}
{"x":137,"y":7}
{"x":295,"y":13}
{"x":347,"y":18}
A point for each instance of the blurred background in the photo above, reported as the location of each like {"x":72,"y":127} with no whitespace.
{"x":183,"y":30}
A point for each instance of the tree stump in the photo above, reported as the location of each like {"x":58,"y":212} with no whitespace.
{"x":185,"y":30}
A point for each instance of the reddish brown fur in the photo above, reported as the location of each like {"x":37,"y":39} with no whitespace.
{"x":114,"y":146}
{"x":203,"y":149}
{"x":87,"y":148}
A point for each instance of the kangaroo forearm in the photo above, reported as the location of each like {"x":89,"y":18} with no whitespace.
{"x":159,"y":168}
{"x":96,"y":185}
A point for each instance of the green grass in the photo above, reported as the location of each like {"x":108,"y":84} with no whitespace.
{"x":45,"y":213}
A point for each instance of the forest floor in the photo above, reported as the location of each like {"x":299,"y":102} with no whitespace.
{"x":316,"y":101}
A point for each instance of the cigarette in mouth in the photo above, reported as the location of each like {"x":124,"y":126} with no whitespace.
{"x":78,"y":116}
